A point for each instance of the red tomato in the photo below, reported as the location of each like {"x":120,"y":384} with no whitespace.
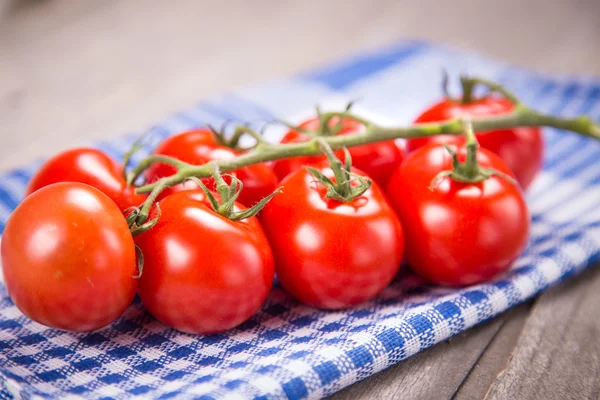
{"x":188,"y":186}
{"x":203,"y":273}
{"x":377,"y":160}
{"x":199,"y":147}
{"x":458,"y":233}
{"x":330,"y":254}
{"x":89,"y":166}
{"x":68,"y":258}
{"x":522,"y":149}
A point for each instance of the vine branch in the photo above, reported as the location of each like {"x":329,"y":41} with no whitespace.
{"x":521,"y":116}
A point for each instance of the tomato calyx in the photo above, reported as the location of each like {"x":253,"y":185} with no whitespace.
{"x":139,"y":259}
{"x":328,"y":126}
{"x":228,"y":194}
{"x":137,"y":219}
{"x":347,"y":185}
{"x":469,"y":171}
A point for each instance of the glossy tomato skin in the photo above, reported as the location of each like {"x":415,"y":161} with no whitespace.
{"x":89,"y":166}
{"x":458,"y":233}
{"x":522,"y":149}
{"x":68,"y":258}
{"x":203,"y":273}
{"x":199,"y":147}
{"x":328,"y":254}
{"x":377,"y":160}
{"x":187,"y":186}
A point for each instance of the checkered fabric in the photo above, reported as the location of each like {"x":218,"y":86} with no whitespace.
{"x":288,"y":350}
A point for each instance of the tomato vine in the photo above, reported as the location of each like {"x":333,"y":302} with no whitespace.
{"x":321,"y":138}
{"x":263,"y":151}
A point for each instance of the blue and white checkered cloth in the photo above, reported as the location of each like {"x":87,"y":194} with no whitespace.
{"x":291,"y":350}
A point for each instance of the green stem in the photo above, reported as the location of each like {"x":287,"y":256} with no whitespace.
{"x":468,"y":85}
{"x":150,"y":200}
{"x":469,"y":171}
{"x":240,"y":131}
{"x":471,"y":166}
{"x":137,"y":145}
{"x":147,"y":163}
{"x":342,"y":189}
{"x":342,"y":181}
{"x":492,"y":86}
{"x":520,"y":117}
{"x":346,"y":115}
{"x":225,"y":204}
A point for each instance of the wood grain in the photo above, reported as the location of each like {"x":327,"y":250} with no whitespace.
{"x":496,"y":356}
{"x":558,"y":354}
{"x":440,"y":372}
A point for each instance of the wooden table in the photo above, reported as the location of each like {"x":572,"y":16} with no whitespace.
{"x":72,"y":71}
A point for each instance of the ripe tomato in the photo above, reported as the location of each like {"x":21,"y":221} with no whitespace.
{"x":188,"y":186}
{"x":89,"y":166}
{"x":522,"y":149}
{"x":377,"y":160}
{"x":68,"y":258}
{"x":203,"y":273}
{"x":458,"y":233}
{"x":331,"y":254}
{"x":198,"y":147}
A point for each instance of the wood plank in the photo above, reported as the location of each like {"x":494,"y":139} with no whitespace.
{"x":558,"y":354}
{"x":439,"y":372}
{"x":495,"y":358}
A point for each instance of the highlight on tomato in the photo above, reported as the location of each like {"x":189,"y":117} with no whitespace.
{"x":89,"y":166}
{"x":377,"y":160}
{"x":521,"y":149}
{"x":68,"y":258}
{"x":335,"y":239}
{"x":465,"y":217}
{"x":208,"y":266}
{"x":200,"y":146}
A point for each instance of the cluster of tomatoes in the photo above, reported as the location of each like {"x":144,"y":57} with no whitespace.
{"x":69,"y":258}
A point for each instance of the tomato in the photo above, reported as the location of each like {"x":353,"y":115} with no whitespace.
{"x":203,"y":273}
{"x":522,"y":149}
{"x":187,"y":186}
{"x":199,"y":147}
{"x":332,"y":254}
{"x":89,"y":166}
{"x":68,"y":258}
{"x":458,"y":233}
{"x":377,"y":160}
